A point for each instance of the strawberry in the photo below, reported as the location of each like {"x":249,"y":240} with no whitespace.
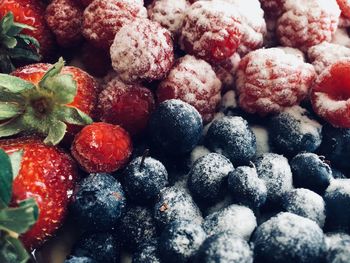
{"x":31,"y":13}
{"x":40,"y":99}
{"x":48,"y":175}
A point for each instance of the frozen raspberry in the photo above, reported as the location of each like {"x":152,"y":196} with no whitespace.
{"x":273,"y":8}
{"x":325,"y":54}
{"x":344,"y":21}
{"x":102,"y":147}
{"x":193,"y":81}
{"x":344,"y":7}
{"x":212,"y":30}
{"x":330,"y":95}
{"x":307,"y":23}
{"x":64,"y":18}
{"x":293,"y":51}
{"x":142,"y":50}
{"x":170,"y":14}
{"x":269,"y":80}
{"x":226,"y":72}
{"x":104,"y":18}
{"x":96,"y":61}
{"x":129,"y":106}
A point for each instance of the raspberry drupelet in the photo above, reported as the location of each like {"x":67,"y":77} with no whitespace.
{"x":307,"y":23}
{"x":129,"y":106}
{"x":269,"y":80}
{"x":193,"y":81}
{"x":212,"y":30}
{"x":226,"y":72}
{"x":344,"y":6}
{"x":142,"y":51}
{"x":104,"y":18}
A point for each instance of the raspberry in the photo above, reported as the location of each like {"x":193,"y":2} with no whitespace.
{"x":325,"y":54}
{"x":193,"y":81}
{"x":64,"y":18}
{"x":142,"y":50}
{"x":226,"y":72}
{"x":129,"y":106}
{"x":212,"y":30}
{"x":102,"y":147}
{"x":331,"y":92}
{"x":104,"y":18}
{"x":344,"y":7}
{"x":96,"y":61}
{"x":308,"y":23}
{"x":269,"y":80}
{"x":273,"y":8}
{"x":170,"y":14}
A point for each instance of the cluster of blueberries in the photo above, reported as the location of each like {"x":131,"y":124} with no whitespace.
{"x":241,"y":189}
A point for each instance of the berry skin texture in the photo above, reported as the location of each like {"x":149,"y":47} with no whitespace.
{"x":148,"y":252}
{"x":142,"y":51}
{"x":330,"y":94}
{"x":344,"y":6}
{"x":269,"y":80}
{"x":74,"y":259}
{"x":127,"y":105}
{"x":337,"y":247}
{"x":102,"y":19}
{"x":211,"y":31}
{"x":305,"y":24}
{"x":98,"y":202}
{"x":48,"y":175}
{"x":193,"y":81}
{"x":64,"y":18}
{"x":102,"y":147}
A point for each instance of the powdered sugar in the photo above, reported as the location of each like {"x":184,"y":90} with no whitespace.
{"x":339,"y":186}
{"x":338,"y":247}
{"x":197,"y":153}
{"x":262,"y":139}
{"x":341,"y":37}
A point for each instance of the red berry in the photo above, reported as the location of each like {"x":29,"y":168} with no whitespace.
{"x":308,"y":23}
{"x":64,"y":17}
{"x":48,"y":175}
{"x":142,"y":51}
{"x":331,"y":93}
{"x":193,"y":81}
{"x":129,"y":106}
{"x":212,"y":30}
{"x":102,"y":147}
{"x":96,"y":61}
{"x":344,"y":7}
{"x":104,"y":18}
{"x":269,"y":80}
{"x":226,"y":72}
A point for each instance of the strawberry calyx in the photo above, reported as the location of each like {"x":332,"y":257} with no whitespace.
{"x":42,"y":108}
{"x":14,"y":46}
{"x":14,"y":221}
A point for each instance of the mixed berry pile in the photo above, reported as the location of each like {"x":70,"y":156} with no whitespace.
{"x":177,"y":130}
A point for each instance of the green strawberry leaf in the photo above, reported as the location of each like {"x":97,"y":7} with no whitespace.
{"x":25,"y":40}
{"x":62,"y":86}
{"x":54,"y":70}
{"x":9,"y":110}
{"x":12,"y":250}
{"x":11,"y":127}
{"x":9,"y":42}
{"x":6,"y":178}
{"x":14,"y":84}
{"x":16,"y":160}
{"x":6,"y":22}
{"x":56,"y":133}
{"x":73,"y":115}
{"x":6,"y":65}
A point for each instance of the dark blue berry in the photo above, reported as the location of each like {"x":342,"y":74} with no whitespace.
{"x":337,"y":174}
{"x":232,"y":137}
{"x":311,"y":172}
{"x":337,"y":198}
{"x":246,"y":187}
{"x":74,"y":259}
{"x":293,"y":131}
{"x":180,"y":241}
{"x":224,"y":247}
{"x":102,"y":247}
{"x":147,"y":253}
{"x":98,"y":202}
{"x":175,"y":127}
{"x":289,"y":238}
{"x":137,"y":227}
{"x":338,"y":248}
{"x":207,"y":179}
{"x":144,"y":177}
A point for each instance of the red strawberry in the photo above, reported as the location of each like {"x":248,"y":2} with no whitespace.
{"x":102,"y":147}
{"x":48,"y":175}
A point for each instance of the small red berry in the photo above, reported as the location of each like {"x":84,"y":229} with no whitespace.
{"x":102,"y":147}
{"x":344,"y":7}
{"x":226,"y":72}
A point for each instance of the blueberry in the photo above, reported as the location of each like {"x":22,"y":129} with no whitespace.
{"x":224,"y":247}
{"x":274,"y":169}
{"x":306,"y":203}
{"x":74,"y":259}
{"x":137,"y":227}
{"x":289,"y":238}
{"x":337,"y":198}
{"x":180,"y":241}
{"x":338,"y":248}
{"x":311,"y":172}
{"x":246,"y":187}
{"x":175,"y":127}
{"x":176,"y":204}
{"x":240,"y":220}
{"x":207,"y":179}
{"x":232,"y":137}
{"x":144,"y":178}
{"x":336,"y":146}
{"x":98,"y":202}
{"x":102,"y":247}
{"x":147,"y":253}
{"x":293,"y":131}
